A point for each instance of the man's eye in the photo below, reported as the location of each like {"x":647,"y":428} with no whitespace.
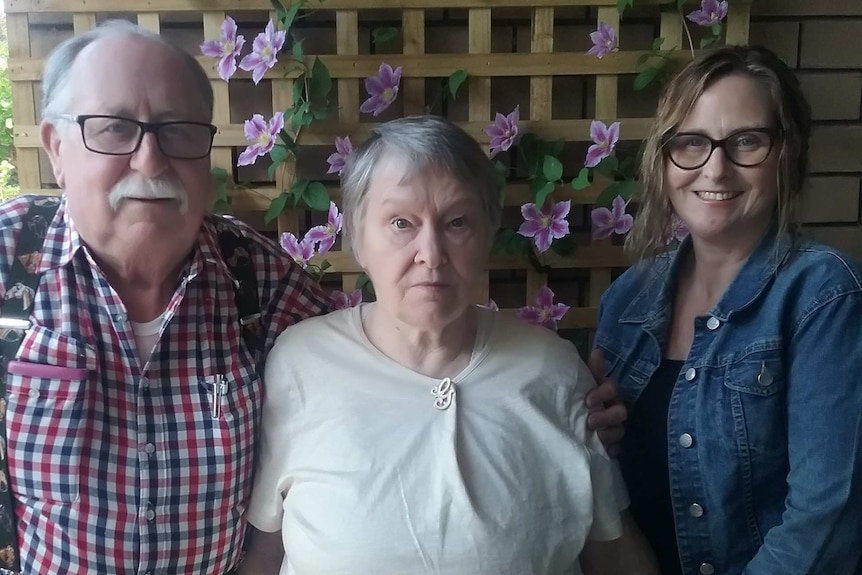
{"x":457,"y":223}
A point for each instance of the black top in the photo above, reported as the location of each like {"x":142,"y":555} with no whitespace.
{"x":645,"y":467}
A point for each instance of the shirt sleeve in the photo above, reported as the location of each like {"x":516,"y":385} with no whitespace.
{"x":272,"y":479}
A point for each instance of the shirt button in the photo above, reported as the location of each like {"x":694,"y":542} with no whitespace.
{"x":686,"y":440}
{"x":34,"y":393}
{"x":150,"y":448}
{"x":150,"y":515}
{"x":690,"y":374}
{"x":145,"y":383}
{"x":695,"y":510}
{"x":713,"y":323}
{"x":706,"y":569}
{"x":121,"y":317}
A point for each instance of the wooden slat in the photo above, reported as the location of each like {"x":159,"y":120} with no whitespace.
{"x":413,"y":33}
{"x":347,"y":43}
{"x":671,"y":30}
{"x":23,"y":101}
{"x":323,"y":134}
{"x":150,"y":21}
{"x":221,"y":156}
{"x":66,"y":6}
{"x":738,"y":16}
{"x":83,"y":22}
{"x":426,"y":65}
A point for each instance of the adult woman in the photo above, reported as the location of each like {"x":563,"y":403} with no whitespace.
{"x":422,"y":433}
{"x":744,"y":445}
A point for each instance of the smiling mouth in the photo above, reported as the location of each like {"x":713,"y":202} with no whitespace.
{"x":717,"y":196}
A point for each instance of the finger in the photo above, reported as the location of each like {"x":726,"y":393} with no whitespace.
{"x":612,"y":435}
{"x":606,"y":392}
{"x":615,"y":415}
{"x":596,"y":363}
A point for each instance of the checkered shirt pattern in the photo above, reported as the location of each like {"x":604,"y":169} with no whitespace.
{"x":125,"y":470}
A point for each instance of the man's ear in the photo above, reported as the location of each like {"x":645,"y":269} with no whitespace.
{"x":51,"y":141}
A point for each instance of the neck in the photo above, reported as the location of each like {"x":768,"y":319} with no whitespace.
{"x":435,"y":352}
{"x":144,"y":282}
{"x":711,"y":269}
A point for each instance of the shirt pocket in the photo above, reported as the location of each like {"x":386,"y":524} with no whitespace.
{"x":756,"y":380}
{"x":46,"y":388}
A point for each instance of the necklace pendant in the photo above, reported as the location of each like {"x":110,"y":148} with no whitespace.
{"x":443,"y":394}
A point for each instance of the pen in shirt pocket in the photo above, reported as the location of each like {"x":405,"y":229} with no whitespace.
{"x":217,"y":387}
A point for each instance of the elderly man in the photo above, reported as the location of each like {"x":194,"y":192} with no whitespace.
{"x":136,"y":324}
{"x":133,"y":400}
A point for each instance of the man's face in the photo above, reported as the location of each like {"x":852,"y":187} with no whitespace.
{"x":138,"y":79}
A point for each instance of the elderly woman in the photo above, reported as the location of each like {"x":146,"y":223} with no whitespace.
{"x":422,"y":433}
{"x":740,"y":350}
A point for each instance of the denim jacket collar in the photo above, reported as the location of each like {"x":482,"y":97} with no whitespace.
{"x":651,"y":306}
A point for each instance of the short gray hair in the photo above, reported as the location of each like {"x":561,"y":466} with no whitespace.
{"x":55,"y":78}
{"x":424,"y":142}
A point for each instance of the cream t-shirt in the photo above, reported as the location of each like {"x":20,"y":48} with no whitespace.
{"x":367,"y":468}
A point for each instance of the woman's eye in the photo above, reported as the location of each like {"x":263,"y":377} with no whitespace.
{"x":401,"y":223}
{"x":692,"y":141}
{"x":457,"y":223}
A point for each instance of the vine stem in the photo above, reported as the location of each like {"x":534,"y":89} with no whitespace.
{"x":687,"y":32}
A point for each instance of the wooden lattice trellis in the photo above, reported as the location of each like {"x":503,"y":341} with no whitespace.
{"x":348,"y":65}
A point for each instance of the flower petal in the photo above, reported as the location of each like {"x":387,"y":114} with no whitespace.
{"x":598,"y":131}
{"x":618,"y":207}
{"x":561,"y":209}
{"x":595,"y":154}
{"x":624,"y":224}
{"x":545,"y":297}
{"x":530,"y":228}
{"x":543,"y":239}
{"x":249,"y":155}
{"x":530,"y":212}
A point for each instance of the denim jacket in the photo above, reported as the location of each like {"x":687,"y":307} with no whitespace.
{"x":765,"y":419}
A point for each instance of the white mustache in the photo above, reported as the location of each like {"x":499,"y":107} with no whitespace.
{"x":136,"y":186}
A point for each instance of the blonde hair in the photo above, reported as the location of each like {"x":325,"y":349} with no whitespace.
{"x":653,"y":224}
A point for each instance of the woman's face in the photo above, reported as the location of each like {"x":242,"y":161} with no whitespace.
{"x":722,"y":203}
{"x":424,"y":244}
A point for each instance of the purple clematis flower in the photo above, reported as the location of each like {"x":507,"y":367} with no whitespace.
{"x":711,"y":12}
{"x":604,"y":139}
{"x":226,"y":49}
{"x":337,"y":161}
{"x":545,"y":313}
{"x":545,"y":225}
{"x":264,"y":52}
{"x":614,"y":221}
{"x":504,"y":132}
{"x":342,"y":300}
{"x":261,"y":136}
{"x":325,"y":235}
{"x":382,"y":89}
{"x":300,"y":251}
{"x":604,"y":40}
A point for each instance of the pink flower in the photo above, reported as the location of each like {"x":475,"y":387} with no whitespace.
{"x":264,"y":52}
{"x":301,"y":252}
{"x":226,"y":48}
{"x":711,"y":12}
{"x":337,"y":161}
{"x":545,"y":313}
{"x":608,"y":222}
{"x":678,"y":230}
{"x":491,"y":305}
{"x":261,"y":136}
{"x":382,"y":89}
{"x":325,"y":235}
{"x":545,"y":225}
{"x":604,"y":40}
{"x":504,"y":131}
{"x":343,"y":300}
{"x":604,"y":139}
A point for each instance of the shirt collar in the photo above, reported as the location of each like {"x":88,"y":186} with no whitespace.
{"x":62,"y":242}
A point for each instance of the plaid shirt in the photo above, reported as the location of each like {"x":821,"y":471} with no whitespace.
{"x":119,"y":467}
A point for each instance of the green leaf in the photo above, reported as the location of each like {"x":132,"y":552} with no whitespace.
{"x":541,"y":189}
{"x":680,"y":4}
{"x":608,"y":166}
{"x":552,"y":169}
{"x":456,"y":79}
{"x":582,"y":180}
{"x":290,"y":15}
{"x":363,"y":282}
{"x":321,"y":82}
{"x":316,"y":197}
{"x":642,"y":59}
{"x":657,"y":44}
{"x":287,"y":139}
{"x":708,"y":41}
{"x":716,"y":29}
{"x":276,"y":5}
{"x":529,"y":149}
{"x":298,"y":90}
{"x":270,"y":171}
{"x":626,"y":189}
{"x":297,"y":190}
{"x":564,"y":246}
{"x":324,"y":265}
{"x":219,"y":174}
{"x":221,"y":206}
{"x":556,"y":148}
{"x":222,"y":199}
{"x":298,"y":52}
{"x":383,"y":35}
{"x":279,"y":154}
{"x":275,"y":207}
{"x":623,"y":4}
{"x":645,"y":78}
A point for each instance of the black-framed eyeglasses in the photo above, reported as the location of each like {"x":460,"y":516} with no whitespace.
{"x":745,"y":148}
{"x":118,"y":136}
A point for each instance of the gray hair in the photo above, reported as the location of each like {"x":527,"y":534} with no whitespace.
{"x":424,"y":142}
{"x":55,"y":78}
